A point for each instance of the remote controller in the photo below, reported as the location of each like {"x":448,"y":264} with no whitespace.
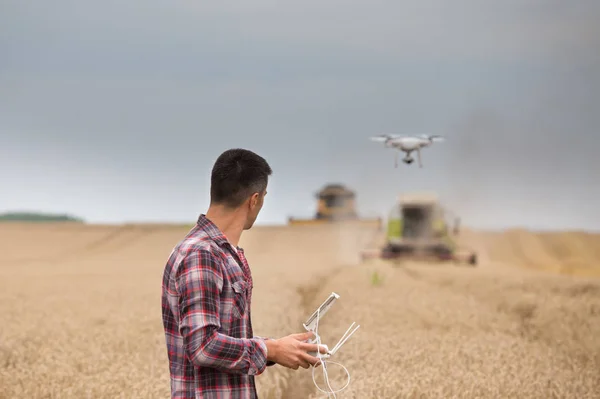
{"x":312,"y":323}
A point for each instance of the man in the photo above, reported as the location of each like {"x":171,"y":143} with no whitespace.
{"x":207,"y":288}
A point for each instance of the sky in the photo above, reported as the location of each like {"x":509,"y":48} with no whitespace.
{"x":115,"y":111}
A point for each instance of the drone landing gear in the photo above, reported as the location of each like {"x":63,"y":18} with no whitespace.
{"x":408,"y":159}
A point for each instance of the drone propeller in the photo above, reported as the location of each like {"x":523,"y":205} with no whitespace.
{"x":384,"y":137}
{"x":432,"y":138}
{"x":436,"y":137}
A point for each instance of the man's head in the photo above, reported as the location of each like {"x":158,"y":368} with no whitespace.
{"x":239,"y":182}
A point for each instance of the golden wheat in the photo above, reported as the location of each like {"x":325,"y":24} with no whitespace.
{"x":80,"y":311}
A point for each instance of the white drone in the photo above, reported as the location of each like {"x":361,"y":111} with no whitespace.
{"x":407,"y":144}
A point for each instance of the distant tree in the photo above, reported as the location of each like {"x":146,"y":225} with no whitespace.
{"x":37,"y":217}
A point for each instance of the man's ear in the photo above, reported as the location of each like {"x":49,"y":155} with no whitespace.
{"x":254,"y":200}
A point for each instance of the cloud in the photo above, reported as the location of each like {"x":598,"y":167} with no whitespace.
{"x":138,"y":98}
{"x":181,"y":36}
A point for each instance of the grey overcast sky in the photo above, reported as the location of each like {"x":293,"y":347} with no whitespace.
{"x":115,"y":110}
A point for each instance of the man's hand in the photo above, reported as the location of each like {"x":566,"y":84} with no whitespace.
{"x":291,"y":351}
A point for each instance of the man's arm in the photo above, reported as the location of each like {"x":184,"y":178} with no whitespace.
{"x":199,"y":282}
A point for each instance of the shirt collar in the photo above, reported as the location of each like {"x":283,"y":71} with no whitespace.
{"x":213,"y":232}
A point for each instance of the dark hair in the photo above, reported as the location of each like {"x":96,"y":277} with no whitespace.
{"x":236,"y":175}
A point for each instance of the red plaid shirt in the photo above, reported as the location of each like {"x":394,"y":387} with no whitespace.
{"x":206,"y":296}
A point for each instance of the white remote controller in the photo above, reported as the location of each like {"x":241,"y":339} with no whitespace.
{"x":312,"y":322}
{"x":314,"y":318}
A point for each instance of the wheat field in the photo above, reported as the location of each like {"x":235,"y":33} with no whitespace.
{"x":81,"y":318}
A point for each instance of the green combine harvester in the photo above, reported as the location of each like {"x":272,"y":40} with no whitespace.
{"x":417,"y":230}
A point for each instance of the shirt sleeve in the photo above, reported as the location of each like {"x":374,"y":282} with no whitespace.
{"x":269,"y":362}
{"x":199,"y":281}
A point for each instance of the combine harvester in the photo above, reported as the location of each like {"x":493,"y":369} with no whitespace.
{"x":336,"y":204}
{"x":417,"y":230}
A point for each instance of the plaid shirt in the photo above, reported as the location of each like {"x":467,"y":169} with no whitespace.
{"x":206,"y":296}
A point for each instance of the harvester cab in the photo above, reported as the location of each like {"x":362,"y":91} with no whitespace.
{"x":336,"y":203}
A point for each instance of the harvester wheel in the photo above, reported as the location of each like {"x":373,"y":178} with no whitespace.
{"x":473,"y":260}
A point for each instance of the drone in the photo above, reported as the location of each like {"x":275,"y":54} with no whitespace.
{"x":407,"y":144}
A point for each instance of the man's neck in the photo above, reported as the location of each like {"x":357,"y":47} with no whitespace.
{"x":231,"y":223}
